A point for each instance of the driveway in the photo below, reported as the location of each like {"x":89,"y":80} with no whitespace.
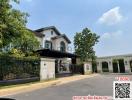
{"x":100,"y":85}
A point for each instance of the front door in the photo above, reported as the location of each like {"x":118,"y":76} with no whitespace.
{"x":105,"y":67}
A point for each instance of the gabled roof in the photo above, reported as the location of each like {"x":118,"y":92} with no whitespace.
{"x":38,"y":34}
{"x":47,"y":28}
{"x":62,"y":35}
{"x":57,"y":32}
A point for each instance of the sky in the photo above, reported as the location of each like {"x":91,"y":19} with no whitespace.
{"x":110,"y":19}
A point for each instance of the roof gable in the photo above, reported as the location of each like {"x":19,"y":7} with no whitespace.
{"x":38,"y":34}
{"x":62,"y":36}
{"x":57,"y":32}
{"x":47,"y":28}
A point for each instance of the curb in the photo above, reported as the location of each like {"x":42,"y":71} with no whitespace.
{"x":28,"y":88}
{"x":35,"y":86}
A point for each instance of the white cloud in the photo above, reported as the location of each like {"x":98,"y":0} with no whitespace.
{"x":111,"y":17}
{"x":112,"y":35}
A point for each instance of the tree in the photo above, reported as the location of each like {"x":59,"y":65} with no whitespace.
{"x":84,"y":42}
{"x":26,"y":42}
{"x":13,"y":27}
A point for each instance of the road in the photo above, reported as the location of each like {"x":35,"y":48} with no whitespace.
{"x":100,"y":85}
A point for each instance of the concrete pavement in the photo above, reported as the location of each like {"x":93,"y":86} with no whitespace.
{"x":43,"y":84}
{"x":101,"y":85}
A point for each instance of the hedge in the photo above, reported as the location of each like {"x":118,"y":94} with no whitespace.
{"x":18,"y":67}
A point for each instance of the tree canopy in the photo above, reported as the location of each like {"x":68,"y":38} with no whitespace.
{"x":84,"y":42}
{"x":13,"y":27}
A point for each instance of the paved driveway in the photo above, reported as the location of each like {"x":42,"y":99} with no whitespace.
{"x":100,"y":85}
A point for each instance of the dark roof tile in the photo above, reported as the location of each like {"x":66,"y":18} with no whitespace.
{"x":47,"y":28}
{"x":38,"y":34}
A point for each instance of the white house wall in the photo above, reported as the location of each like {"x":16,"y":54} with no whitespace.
{"x":57,"y":44}
{"x":48,"y":35}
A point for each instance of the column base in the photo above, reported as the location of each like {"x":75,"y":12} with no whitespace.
{"x":99,"y":71}
{"x":111,"y":71}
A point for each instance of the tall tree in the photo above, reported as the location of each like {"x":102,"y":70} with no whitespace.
{"x":13,"y":26}
{"x":84,"y":42}
{"x":26,"y":42}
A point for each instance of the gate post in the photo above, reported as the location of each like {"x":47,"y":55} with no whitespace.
{"x":47,"y":68}
{"x":110,"y":65}
{"x":87,"y":67}
{"x":127,"y":65}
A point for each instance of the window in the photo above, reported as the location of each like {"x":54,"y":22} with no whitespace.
{"x":62,"y":46}
{"x":51,"y":32}
{"x":48,"y":45}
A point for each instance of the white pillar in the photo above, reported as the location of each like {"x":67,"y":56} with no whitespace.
{"x":99,"y":67}
{"x":127,"y":65}
{"x":47,"y":68}
{"x":87,"y":68}
{"x":110,"y":65}
{"x":118,"y":66}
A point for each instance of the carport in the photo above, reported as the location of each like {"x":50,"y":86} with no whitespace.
{"x":49,"y":61}
{"x":56,"y":54}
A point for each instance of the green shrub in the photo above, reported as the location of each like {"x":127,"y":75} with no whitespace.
{"x":18,"y":67}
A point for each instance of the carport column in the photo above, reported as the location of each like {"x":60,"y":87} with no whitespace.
{"x":127,"y":65}
{"x":110,"y":65}
{"x":47,"y":68}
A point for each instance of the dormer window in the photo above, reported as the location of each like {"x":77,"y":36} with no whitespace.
{"x":51,"y":32}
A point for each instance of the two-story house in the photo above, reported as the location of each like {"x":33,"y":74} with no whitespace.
{"x":50,"y":38}
{"x":53,"y":39}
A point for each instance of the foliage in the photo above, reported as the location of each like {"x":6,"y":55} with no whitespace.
{"x":84,"y":42}
{"x":13,"y":28}
{"x":12,"y":22}
{"x":26,"y":42}
{"x":16,"y":52}
{"x":18,"y":67}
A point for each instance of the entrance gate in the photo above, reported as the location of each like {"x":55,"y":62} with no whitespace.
{"x":121,"y":66}
{"x":118,"y":66}
{"x":105,"y":67}
{"x":115,"y":67}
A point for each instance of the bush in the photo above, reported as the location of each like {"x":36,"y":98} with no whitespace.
{"x":18,"y":67}
{"x":9,"y":76}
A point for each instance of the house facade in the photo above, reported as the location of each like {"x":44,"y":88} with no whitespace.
{"x":115,"y":64}
{"x":51,"y":39}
